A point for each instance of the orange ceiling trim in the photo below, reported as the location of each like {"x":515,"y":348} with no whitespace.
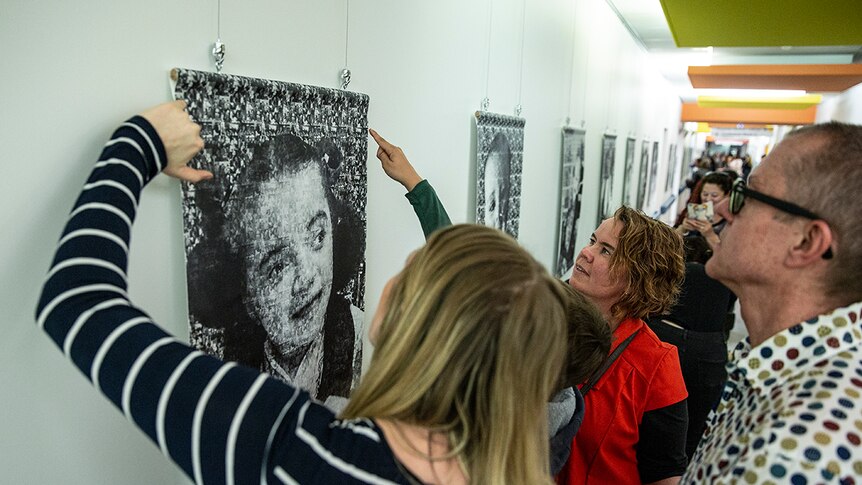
{"x":693,"y":112}
{"x":808,"y":77}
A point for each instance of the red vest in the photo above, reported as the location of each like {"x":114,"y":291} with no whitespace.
{"x":646,"y":376}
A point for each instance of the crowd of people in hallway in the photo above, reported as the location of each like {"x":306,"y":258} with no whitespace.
{"x":487,"y":369}
{"x":734,"y":165}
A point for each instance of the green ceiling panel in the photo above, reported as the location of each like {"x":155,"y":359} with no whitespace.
{"x":748,"y":23}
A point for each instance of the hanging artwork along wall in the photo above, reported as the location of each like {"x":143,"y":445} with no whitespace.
{"x":653,"y":175}
{"x":275,"y":243}
{"x":671,"y":166}
{"x":499,"y":162}
{"x":571,"y":191}
{"x":627,"y":173}
{"x":643,"y":176}
{"x":606,"y":182}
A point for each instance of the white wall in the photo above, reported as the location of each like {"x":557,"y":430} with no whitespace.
{"x":73,"y":70}
{"x":846,"y":107}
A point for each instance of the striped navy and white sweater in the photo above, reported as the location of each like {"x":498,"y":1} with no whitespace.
{"x":220,"y":422}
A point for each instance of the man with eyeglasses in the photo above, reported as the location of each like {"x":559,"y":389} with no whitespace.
{"x":792,"y":251}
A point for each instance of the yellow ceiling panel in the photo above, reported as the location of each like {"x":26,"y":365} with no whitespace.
{"x":794,"y":102}
{"x":747,"y":23}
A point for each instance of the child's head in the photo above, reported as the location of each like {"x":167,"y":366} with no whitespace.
{"x":589,"y":339}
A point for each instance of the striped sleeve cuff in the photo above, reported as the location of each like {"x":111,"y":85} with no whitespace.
{"x":136,"y":140}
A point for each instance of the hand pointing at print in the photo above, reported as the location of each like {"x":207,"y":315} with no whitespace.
{"x":394,"y":163}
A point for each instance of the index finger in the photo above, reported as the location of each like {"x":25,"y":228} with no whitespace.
{"x":385,"y":145}
{"x":382,"y":155}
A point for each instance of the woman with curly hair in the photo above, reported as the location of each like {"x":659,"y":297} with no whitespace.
{"x":635,"y":418}
{"x":634,"y":430}
{"x":588,"y":339}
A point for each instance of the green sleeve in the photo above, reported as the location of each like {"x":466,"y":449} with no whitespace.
{"x":432,"y":215}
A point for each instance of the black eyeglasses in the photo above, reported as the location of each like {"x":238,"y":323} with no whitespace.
{"x":739,"y":192}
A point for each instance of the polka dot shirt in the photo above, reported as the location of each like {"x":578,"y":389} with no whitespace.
{"x":791,"y":410}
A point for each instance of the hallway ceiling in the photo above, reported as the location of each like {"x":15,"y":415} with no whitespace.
{"x":740,"y":32}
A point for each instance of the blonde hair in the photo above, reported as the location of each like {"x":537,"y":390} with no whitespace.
{"x":650,"y":254}
{"x":472,"y":345}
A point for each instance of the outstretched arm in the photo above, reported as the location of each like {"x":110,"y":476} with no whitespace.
{"x":430,"y":211}
{"x":395,"y":163}
{"x":180,"y":138}
{"x":219,"y":422}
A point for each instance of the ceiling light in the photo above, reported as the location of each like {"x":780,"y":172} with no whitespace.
{"x":790,"y":102}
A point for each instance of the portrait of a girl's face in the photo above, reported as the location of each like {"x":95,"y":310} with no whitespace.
{"x":499,"y":158}
{"x":275,"y":242}
{"x":497,"y":189}
{"x":287,"y":257}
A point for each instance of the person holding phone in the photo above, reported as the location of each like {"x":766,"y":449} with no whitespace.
{"x":714,"y":188}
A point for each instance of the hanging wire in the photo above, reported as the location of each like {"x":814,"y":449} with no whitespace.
{"x":521,"y":61}
{"x":615,"y":101}
{"x":218,"y":50}
{"x":346,"y":30}
{"x":486,"y":102}
{"x":345,"y":73}
{"x":611,"y":109}
{"x":571,"y":66}
{"x":584,"y":85}
{"x":608,"y":110}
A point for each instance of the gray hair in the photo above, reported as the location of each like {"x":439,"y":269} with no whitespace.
{"x":824,"y":178}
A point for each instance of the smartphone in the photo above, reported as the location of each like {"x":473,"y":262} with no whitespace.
{"x":701,"y":212}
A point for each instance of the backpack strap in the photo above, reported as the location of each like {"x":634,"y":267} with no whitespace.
{"x":610,"y":360}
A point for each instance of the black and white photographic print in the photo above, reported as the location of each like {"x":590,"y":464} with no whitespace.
{"x":499,"y":160}
{"x":571,"y":190}
{"x":671,"y":166}
{"x":643,"y":176}
{"x":653,"y":175}
{"x":687,"y":162}
{"x":627,"y":173}
{"x":606,"y":182}
{"x":275,"y":242}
